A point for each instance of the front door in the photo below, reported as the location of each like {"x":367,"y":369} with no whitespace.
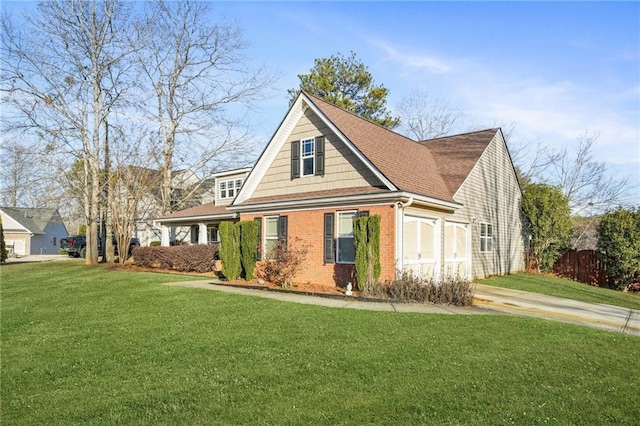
{"x":421,"y":246}
{"x":456,"y":250}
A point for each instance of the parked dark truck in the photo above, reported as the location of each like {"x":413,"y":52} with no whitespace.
{"x":76,"y":246}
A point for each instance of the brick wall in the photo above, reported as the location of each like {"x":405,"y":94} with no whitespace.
{"x":308,"y":226}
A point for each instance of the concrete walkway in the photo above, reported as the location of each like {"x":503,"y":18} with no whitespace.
{"x":333,"y":301}
{"x":33,"y":258}
{"x":606,"y":317}
{"x":489,"y":300}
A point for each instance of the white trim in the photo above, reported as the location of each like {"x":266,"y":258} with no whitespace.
{"x":185,"y":219}
{"x":231,"y":172}
{"x":270,"y":152}
{"x":323,"y":202}
{"x":277,"y":142}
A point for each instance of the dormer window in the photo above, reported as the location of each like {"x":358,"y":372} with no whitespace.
{"x":229,"y":188}
{"x":307,"y":157}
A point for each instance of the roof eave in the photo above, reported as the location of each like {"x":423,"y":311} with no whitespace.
{"x":199,"y":218}
{"x":348,"y":200}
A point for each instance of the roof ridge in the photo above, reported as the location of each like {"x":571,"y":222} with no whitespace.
{"x":493,"y":129}
{"x":357,"y":116}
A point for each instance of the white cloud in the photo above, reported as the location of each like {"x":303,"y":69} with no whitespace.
{"x":413,"y":60}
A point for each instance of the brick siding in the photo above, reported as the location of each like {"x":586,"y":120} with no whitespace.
{"x":308,"y":226}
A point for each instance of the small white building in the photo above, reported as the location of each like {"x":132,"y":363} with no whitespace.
{"x":32,"y":230}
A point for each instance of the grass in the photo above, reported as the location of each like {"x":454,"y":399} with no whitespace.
{"x":561,"y":287}
{"x":95,"y":346}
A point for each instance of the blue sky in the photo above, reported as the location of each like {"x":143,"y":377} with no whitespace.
{"x":555,"y":69}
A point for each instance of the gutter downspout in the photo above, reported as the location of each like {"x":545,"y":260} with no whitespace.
{"x":399,"y":207}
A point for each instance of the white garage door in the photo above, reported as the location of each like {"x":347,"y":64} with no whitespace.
{"x":421,"y":246}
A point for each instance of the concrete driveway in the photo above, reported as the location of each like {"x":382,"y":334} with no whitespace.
{"x":606,"y":317}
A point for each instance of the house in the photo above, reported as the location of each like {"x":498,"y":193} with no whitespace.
{"x":201,"y":221}
{"x":32,"y":230}
{"x":448,"y":206}
{"x":188,"y":191}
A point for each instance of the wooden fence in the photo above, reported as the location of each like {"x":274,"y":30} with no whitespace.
{"x":583,"y":266}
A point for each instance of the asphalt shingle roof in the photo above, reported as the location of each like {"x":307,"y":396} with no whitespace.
{"x":33,"y":219}
{"x":434,"y":168}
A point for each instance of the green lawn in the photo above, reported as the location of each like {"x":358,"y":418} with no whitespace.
{"x":562,"y":287}
{"x":97,"y":346}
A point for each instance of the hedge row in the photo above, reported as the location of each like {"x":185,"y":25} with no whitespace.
{"x":196,"y":258}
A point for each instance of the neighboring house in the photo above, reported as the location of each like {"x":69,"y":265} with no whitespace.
{"x":201,"y":221}
{"x":188,"y":191}
{"x":448,"y":206}
{"x":32,"y":231}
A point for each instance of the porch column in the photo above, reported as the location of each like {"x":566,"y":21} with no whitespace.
{"x":164,"y":237}
{"x":202,"y":233}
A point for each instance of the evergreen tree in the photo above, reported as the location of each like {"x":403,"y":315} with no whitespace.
{"x":346,"y":82}
{"x":3,"y":247}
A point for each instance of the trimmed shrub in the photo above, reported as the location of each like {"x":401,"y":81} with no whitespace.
{"x":407,"y":287}
{"x":3,"y":247}
{"x":284,"y":262}
{"x":230,"y":250}
{"x":155,"y":243}
{"x":248,"y":247}
{"x":197,"y":258}
{"x":366,"y":232}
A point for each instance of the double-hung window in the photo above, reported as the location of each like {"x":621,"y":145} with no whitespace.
{"x":346,"y":243}
{"x":270,"y":234}
{"x":275,"y":231}
{"x":308,"y":156}
{"x":486,"y":237}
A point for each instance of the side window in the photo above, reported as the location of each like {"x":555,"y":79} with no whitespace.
{"x":345,"y":244}
{"x":270,"y":234}
{"x":308,"y":157}
{"x":275,"y":230}
{"x":486,"y":237}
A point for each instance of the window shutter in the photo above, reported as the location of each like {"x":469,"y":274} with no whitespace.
{"x":259,"y":248}
{"x":329,"y":246}
{"x":194,"y":234}
{"x":282,"y":229}
{"x":320,"y":156}
{"x":295,"y":159}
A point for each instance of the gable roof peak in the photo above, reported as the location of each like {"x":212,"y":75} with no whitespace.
{"x":315,"y":98}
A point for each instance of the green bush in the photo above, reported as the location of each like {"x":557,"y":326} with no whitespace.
{"x":230,"y":250}
{"x":549,"y":224}
{"x":619,"y":245}
{"x":248,"y":246}
{"x":155,"y":244}
{"x":3,"y":249}
{"x":366,"y":232}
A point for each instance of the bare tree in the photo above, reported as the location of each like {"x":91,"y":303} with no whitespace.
{"x":56,"y":74}
{"x":587,"y":183}
{"x":423,"y":116}
{"x":195,"y":68}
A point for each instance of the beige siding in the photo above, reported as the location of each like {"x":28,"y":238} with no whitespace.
{"x":342,"y":168}
{"x":491,"y":194}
